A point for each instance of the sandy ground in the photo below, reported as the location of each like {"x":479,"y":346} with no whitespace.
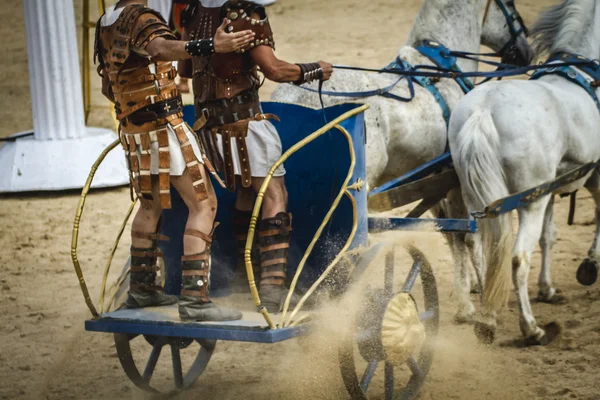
{"x":45,"y":352}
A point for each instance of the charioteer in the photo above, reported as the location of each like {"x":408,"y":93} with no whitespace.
{"x":135,"y":49}
{"x":240,"y":140}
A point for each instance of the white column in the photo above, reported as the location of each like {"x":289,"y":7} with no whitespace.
{"x":62,"y":149}
{"x":162,"y":6}
{"x":55,"y":80}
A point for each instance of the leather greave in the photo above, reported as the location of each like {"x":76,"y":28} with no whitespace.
{"x":195,"y":279}
{"x":274,"y":243}
{"x":143,"y":269}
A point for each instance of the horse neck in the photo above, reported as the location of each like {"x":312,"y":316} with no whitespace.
{"x":454,"y":23}
{"x":572,"y":26}
{"x":588,"y":43}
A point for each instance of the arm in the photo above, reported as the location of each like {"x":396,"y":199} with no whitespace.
{"x":281,"y":71}
{"x":161,"y":49}
{"x":106,"y":88}
{"x":184,"y":68}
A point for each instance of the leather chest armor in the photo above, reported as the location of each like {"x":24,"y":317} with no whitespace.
{"x":136,"y":82}
{"x":226,"y":85}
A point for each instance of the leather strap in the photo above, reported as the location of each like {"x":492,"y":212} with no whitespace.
{"x":195,"y":272}
{"x":135,"y":269}
{"x":198,"y":234}
{"x":171,"y":74}
{"x":204,"y":256}
{"x":272,"y":232}
{"x":275,"y":261}
{"x":272,"y":281}
{"x":272,"y":274}
{"x":277,"y":246}
{"x":193,"y":293}
{"x":149,"y":253}
{"x":149,"y":236}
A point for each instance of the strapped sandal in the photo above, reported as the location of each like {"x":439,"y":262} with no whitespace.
{"x":144,"y":291}
{"x":274,"y":243}
{"x":195,"y":303}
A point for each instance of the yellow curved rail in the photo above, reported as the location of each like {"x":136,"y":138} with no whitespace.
{"x":112,"y":254}
{"x":258,"y":204}
{"x":75,"y":234}
{"x":317,"y":235}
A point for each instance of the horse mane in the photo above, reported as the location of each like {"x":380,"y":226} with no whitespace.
{"x":558,"y":26}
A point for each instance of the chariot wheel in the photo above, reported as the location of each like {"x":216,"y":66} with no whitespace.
{"x":183,"y":378}
{"x":392,"y":338}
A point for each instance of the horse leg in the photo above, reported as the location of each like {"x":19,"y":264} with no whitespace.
{"x":451,"y":208}
{"x":587,"y":273}
{"x":546,"y":293}
{"x":477,"y":273}
{"x":531,"y":219}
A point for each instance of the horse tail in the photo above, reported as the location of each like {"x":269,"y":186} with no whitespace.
{"x":482,"y":181}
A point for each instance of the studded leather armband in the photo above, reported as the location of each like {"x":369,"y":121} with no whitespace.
{"x":309,"y":73}
{"x":200,"y":48}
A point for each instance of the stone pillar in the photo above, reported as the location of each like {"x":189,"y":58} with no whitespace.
{"x":55,"y":80}
{"x":62,"y":149}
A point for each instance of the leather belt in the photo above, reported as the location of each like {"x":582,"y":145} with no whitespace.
{"x":229,"y":111}
{"x":155,"y":111}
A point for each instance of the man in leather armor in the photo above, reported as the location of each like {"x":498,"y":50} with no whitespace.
{"x":239,"y":139}
{"x":135,"y":47}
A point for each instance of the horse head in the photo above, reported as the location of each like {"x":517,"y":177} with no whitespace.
{"x":505,"y":32}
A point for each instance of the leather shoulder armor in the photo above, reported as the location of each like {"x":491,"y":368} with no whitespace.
{"x":150,"y":25}
{"x":240,"y":13}
{"x":112,"y":47}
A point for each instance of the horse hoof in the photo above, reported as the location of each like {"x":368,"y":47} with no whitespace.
{"x":551,"y":332}
{"x":587,"y":273}
{"x":463,"y":319}
{"x":476,"y":289}
{"x":552,"y":298}
{"x":485,"y":333}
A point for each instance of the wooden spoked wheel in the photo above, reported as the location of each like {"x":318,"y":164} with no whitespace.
{"x":361,"y":354}
{"x":183,"y":378}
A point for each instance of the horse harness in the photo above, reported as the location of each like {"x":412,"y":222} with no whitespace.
{"x":440,"y":55}
{"x":588,"y":82}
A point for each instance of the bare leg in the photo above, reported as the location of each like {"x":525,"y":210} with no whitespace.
{"x":201,"y":213}
{"x":146,"y":218}
{"x":245,"y":197}
{"x":276,"y":196}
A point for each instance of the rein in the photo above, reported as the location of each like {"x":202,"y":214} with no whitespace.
{"x":438,"y":72}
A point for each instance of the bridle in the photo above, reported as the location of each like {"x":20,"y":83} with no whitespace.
{"x":511,"y":17}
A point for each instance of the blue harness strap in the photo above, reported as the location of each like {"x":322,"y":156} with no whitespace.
{"x":426,"y":83}
{"x":441,"y":56}
{"x":571,"y":74}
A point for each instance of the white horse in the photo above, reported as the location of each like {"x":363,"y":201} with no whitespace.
{"x":509,"y":136}
{"x":403,"y":136}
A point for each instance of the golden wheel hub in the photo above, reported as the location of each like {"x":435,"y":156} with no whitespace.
{"x":402,"y":333}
